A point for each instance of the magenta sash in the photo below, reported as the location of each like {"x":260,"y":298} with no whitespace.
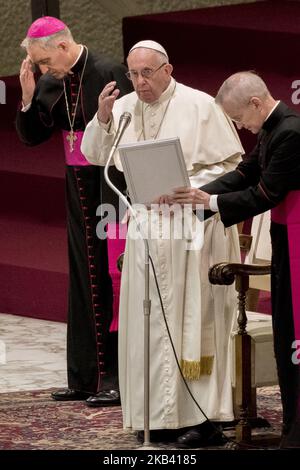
{"x":116,"y":234}
{"x":288,"y":213}
{"x":116,"y":238}
{"x":75,"y":158}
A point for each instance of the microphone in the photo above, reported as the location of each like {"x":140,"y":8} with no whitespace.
{"x":124,"y":121}
{"x":123,"y":124}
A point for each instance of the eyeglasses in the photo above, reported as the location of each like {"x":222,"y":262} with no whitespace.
{"x":145,"y":73}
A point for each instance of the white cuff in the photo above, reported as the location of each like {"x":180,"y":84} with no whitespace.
{"x":105,"y":126}
{"x":25,"y":108}
{"x":213,"y":203}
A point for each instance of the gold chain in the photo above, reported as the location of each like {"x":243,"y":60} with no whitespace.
{"x":162,"y":119}
{"x":72,"y":137}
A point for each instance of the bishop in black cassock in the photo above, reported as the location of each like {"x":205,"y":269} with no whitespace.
{"x":68,"y":101}
{"x":267,"y":178}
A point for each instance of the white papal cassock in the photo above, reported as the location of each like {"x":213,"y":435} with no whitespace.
{"x":200,"y":316}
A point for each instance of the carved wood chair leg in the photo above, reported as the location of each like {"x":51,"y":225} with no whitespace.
{"x":243,"y":386}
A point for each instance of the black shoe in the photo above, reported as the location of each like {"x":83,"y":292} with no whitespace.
{"x":69,"y":394}
{"x":203,"y":435}
{"x":286,"y":443}
{"x":105,"y":398}
{"x":290,"y":437}
{"x":159,"y":435}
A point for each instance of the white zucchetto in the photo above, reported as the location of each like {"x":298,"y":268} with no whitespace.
{"x":148,"y":44}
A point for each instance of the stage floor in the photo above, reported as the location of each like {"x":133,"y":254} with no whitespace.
{"x":35,"y":365}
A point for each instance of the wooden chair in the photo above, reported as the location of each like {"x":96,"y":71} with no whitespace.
{"x":253,"y":363}
{"x":259,"y":252}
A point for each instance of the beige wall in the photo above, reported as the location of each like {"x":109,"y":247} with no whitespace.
{"x":15,"y":16}
{"x":96,"y":23}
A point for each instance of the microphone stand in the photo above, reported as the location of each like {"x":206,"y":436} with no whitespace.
{"x":147,"y":308}
{"x":146,"y":302}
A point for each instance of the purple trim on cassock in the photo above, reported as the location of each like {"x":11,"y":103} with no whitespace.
{"x":116,"y":239}
{"x":75,"y":158}
{"x":288,"y":213}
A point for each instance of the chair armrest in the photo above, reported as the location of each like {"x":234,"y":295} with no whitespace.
{"x":225,"y":273}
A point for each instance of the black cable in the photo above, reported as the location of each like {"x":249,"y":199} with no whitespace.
{"x":228,"y":439}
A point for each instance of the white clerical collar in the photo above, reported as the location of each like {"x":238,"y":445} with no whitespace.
{"x":274,"y":107}
{"x":79,"y":55}
{"x":165,"y":96}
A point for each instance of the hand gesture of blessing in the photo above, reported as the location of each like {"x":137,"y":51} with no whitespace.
{"x":27,"y":81}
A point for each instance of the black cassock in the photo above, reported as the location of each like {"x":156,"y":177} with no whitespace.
{"x":91,"y":348}
{"x":260,"y":183}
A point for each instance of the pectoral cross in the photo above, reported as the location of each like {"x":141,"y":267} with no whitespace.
{"x":71,"y":138}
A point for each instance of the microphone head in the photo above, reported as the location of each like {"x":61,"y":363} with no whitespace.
{"x":124,"y":121}
{"x":126,"y":116}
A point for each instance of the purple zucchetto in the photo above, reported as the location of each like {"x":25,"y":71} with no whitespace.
{"x":45,"y":26}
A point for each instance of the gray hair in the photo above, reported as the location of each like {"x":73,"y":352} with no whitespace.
{"x":48,"y":41}
{"x":240,"y":87}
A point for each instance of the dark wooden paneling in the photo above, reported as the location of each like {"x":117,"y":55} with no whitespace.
{"x":44,"y":8}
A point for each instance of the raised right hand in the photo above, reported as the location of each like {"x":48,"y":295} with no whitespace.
{"x":106,"y":102}
{"x":27,"y":81}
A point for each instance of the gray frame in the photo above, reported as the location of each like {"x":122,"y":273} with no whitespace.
{"x":153,"y":168}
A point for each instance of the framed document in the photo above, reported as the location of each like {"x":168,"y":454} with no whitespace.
{"x":153,"y":168}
